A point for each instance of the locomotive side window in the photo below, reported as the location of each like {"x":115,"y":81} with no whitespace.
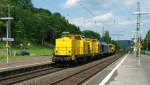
{"x":78,"y":37}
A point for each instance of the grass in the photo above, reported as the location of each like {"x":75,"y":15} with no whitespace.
{"x":35,"y":51}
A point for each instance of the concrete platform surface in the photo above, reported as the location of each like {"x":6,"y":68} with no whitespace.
{"x":24,"y":63}
{"x":127,"y":74}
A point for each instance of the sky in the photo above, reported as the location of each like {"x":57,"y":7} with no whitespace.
{"x":116,"y":16}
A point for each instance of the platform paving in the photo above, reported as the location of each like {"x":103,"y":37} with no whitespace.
{"x":24,"y":63}
{"x":127,"y":74}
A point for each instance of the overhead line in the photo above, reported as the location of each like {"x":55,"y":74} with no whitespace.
{"x":88,"y":10}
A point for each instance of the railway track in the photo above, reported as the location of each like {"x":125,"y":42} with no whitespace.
{"x":81,"y":76}
{"x":76,"y":77}
{"x":22,"y":74}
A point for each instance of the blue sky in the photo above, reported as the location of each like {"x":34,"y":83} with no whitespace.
{"x":114,"y":15}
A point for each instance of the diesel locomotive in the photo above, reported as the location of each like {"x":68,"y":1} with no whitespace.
{"x":75,"y":48}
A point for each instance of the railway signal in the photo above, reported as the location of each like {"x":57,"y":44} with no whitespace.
{"x":138,"y":45}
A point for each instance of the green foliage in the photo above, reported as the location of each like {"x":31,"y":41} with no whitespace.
{"x":19,"y":32}
{"x":115,"y":43}
{"x":2,"y":30}
{"x":25,"y":3}
{"x":146,"y":43}
{"x":91,"y":34}
{"x":34,"y":25}
{"x":106,"y":38}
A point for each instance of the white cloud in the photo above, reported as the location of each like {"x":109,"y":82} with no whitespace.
{"x":71,"y":3}
{"x":93,"y":23}
{"x":79,"y":21}
{"x":104,"y":17}
{"x":129,"y":2}
{"x":83,"y":22}
{"x":102,"y":20}
{"x":88,"y":23}
{"x":124,"y":23}
{"x":133,"y":2}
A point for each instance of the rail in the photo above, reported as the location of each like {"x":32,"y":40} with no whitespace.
{"x":81,"y":76}
{"x":21,"y":74}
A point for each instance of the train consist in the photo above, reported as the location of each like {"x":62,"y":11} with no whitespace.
{"x":75,"y":48}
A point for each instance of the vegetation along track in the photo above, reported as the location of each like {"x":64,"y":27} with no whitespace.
{"x":80,"y":77}
{"x":26,"y":73}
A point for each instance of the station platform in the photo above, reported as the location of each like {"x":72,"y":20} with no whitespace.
{"x":24,"y":63}
{"x":128,"y":73}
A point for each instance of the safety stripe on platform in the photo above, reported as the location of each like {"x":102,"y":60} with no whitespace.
{"x":107,"y":78}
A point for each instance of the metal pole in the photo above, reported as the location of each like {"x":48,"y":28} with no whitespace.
{"x":138,"y":32}
{"x":138,"y":35}
{"x":9,"y":22}
{"x":7,"y":35}
{"x":139,"y":63}
{"x":8,"y":32}
{"x":147,"y":44}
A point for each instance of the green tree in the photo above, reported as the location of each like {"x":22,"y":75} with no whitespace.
{"x":34,"y":25}
{"x":19,"y":32}
{"x":106,"y":38}
{"x":91,"y":34}
{"x":115,"y":43}
{"x":2,"y":29}
{"x":146,"y":43}
{"x":25,"y":3}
